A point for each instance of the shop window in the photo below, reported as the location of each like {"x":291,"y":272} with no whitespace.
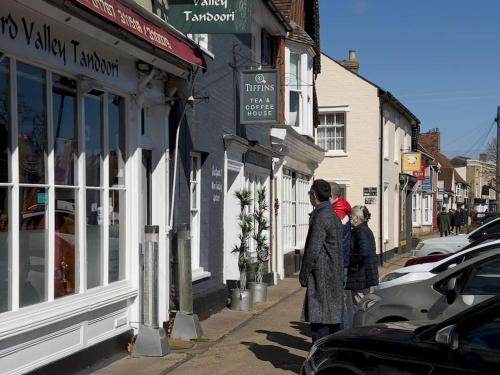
{"x":5,"y":283}
{"x":32,"y":124}
{"x":33,"y":227}
{"x":4,"y":121}
{"x":95,"y":235}
{"x":296,"y":207}
{"x":93,"y":139}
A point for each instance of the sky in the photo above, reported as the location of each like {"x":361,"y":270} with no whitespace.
{"x":440,"y":58}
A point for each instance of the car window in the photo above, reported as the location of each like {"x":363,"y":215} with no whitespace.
{"x":485,"y":336}
{"x":484,"y":279}
{"x":492,"y":228}
{"x":460,"y":259}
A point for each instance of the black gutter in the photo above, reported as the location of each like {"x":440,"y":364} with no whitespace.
{"x":381,"y":180}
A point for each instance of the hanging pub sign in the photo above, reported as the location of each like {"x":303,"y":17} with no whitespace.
{"x":259,"y":96}
{"x":412,"y":162}
{"x":211,"y":16}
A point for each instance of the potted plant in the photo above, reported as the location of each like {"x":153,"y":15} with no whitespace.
{"x":259,"y":288}
{"x":241,"y":298}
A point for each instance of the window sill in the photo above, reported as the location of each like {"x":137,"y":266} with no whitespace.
{"x":45,"y":313}
{"x":335,"y":153}
{"x":200,"y":274}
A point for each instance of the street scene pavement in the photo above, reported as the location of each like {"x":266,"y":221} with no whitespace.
{"x":269,"y":340}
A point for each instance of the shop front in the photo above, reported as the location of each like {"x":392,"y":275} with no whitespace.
{"x":83,"y":129}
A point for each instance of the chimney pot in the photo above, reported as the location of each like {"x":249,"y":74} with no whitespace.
{"x":352,"y":55}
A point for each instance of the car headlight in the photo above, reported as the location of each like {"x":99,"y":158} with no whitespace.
{"x":392,"y":276}
{"x":419,"y":246}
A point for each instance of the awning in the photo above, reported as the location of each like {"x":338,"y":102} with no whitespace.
{"x":134,"y":23}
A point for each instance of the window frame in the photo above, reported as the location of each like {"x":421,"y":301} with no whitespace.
{"x":79,"y":187}
{"x":323,"y":116}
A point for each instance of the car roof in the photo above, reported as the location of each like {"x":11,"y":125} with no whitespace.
{"x":477,"y":259}
{"x":482,"y":226}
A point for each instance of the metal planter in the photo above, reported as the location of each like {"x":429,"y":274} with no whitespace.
{"x":259,"y":291}
{"x":241,"y":300}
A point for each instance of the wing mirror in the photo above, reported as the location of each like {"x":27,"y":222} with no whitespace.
{"x":448,"y":336}
{"x":451,"y":290}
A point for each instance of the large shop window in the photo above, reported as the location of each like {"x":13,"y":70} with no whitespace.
{"x":330,"y":134}
{"x":51,"y":180}
{"x":296,"y":208}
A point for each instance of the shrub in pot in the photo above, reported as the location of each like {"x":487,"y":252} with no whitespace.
{"x":241,"y":298}
{"x":259,"y":288}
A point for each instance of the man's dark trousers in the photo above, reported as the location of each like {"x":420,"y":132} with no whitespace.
{"x":319,"y":330}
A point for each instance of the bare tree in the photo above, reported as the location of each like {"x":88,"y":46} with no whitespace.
{"x":491,"y":150}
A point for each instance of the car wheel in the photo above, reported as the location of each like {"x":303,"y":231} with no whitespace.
{"x":392,"y":319}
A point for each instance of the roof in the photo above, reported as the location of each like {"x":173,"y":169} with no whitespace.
{"x":459,"y":178}
{"x":299,"y":35}
{"x":383,"y":94}
{"x":277,"y":12}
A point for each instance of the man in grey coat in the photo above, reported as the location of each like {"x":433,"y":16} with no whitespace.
{"x":323,"y":266}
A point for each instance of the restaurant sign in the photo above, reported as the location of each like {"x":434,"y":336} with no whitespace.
{"x":259,"y":96}
{"x":211,"y":16}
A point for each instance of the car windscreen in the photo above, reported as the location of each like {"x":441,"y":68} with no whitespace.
{"x":490,"y":228}
{"x":462,"y":258}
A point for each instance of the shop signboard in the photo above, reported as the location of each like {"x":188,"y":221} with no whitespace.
{"x":427,"y":184}
{"x":412,"y":162}
{"x":369,"y":192}
{"x":211,"y":16}
{"x":259,"y":96}
{"x":371,"y":200}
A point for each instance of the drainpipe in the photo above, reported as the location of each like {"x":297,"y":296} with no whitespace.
{"x":381,"y":180}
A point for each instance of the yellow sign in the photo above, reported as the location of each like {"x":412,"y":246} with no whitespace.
{"x":412,"y":162}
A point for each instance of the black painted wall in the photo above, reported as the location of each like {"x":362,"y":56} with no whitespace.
{"x":213,"y":115}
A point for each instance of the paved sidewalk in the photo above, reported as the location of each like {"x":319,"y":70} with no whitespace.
{"x":269,"y":340}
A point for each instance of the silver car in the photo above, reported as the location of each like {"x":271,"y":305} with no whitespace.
{"x":439,"y":297}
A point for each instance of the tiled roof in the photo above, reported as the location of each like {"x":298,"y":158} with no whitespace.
{"x":299,"y":35}
{"x":284,"y":6}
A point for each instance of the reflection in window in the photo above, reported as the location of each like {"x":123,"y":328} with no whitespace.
{"x":116,"y":135}
{"x":93,"y":139}
{"x":94,"y":238}
{"x":294,"y":108}
{"x":116,"y":236}
{"x":65,"y":129}
{"x":65,"y":243}
{"x":32,"y":124}
{"x":4,"y":250}
{"x":4,"y":120}
{"x":32,"y":239}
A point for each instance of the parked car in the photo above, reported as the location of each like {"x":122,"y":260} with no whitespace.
{"x":467,"y":343}
{"x":451,"y":244}
{"x":434,"y":258}
{"x":426,"y":271}
{"x":486,"y":218}
{"x":441,"y":296}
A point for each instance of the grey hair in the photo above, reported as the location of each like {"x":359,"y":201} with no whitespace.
{"x":361,"y":212}
{"x":336,"y":190}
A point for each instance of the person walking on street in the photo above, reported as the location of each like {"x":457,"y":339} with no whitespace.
{"x":450,"y":217}
{"x":457,"y":221}
{"x":443,"y":220}
{"x":343,"y":209}
{"x":465,"y":217}
{"x":322,"y":266}
{"x":363,"y":264}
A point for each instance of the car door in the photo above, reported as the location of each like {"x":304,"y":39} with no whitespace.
{"x":475,"y":284}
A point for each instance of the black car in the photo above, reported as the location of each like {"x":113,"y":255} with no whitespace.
{"x":467,"y":343}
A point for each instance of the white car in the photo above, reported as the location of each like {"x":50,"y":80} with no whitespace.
{"x":425,"y":271}
{"x":451,"y":244}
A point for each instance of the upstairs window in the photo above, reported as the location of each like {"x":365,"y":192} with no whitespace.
{"x":330,"y":134}
{"x":294,"y":86}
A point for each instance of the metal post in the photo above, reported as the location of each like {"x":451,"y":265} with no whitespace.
{"x":186,"y":325}
{"x":497,"y":185}
{"x":151,"y":339}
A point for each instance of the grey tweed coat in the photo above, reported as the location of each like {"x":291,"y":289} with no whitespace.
{"x":323,"y":267}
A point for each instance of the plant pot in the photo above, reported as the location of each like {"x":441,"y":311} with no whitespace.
{"x":259,"y":291}
{"x":241,"y":300}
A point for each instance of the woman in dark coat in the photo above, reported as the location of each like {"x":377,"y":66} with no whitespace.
{"x":363,"y":264}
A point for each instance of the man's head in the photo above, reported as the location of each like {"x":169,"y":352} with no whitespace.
{"x":320,"y":192}
{"x":336,"y":190}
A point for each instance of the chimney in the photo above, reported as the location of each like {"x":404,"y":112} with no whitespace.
{"x":431,"y":141}
{"x":483,"y":157}
{"x":352,"y":64}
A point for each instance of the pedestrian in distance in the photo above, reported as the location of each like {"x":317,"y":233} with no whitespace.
{"x":465,"y":217}
{"x":457,"y":221}
{"x":443,"y":220}
{"x":450,"y":217}
{"x":363,"y":264}
{"x":323,"y":265}
{"x":343,"y":209}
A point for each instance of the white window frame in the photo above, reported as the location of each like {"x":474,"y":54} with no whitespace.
{"x":295,"y":199}
{"x":323,"y":115}
{"x":427,"y":210}
{"x":79,"y":297}
{"x":197,"y":271}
